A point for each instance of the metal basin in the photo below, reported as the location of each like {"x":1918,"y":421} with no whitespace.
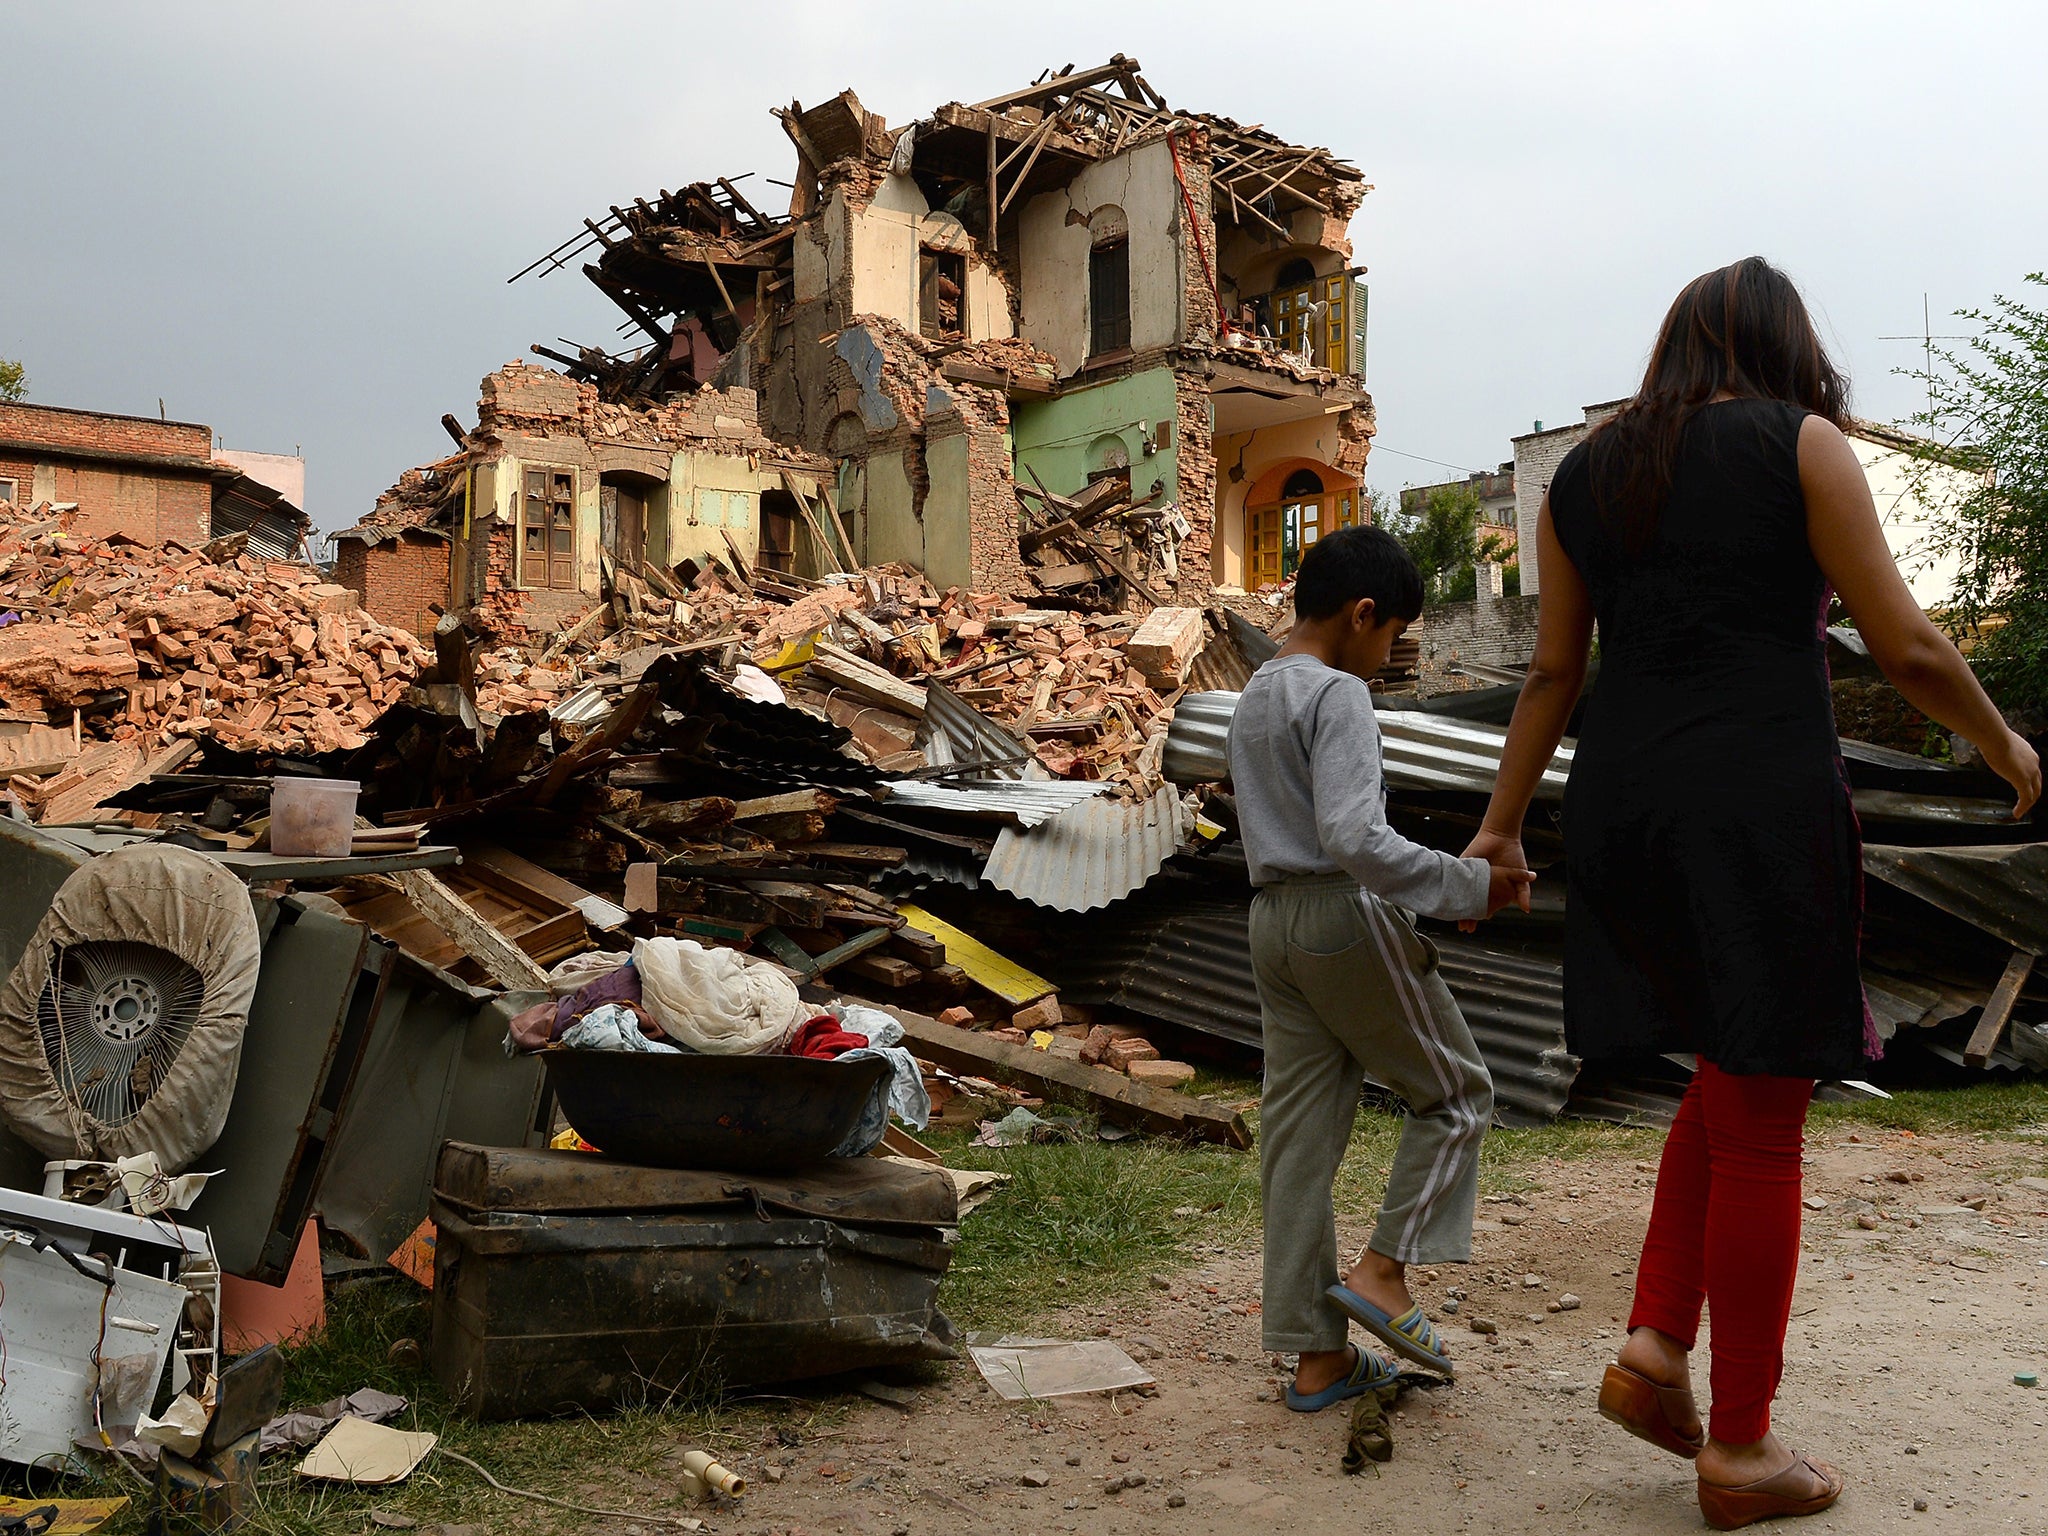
{"x":739,"y":1113}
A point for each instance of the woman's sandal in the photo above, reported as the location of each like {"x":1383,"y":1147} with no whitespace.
{"x":1667,"y":1417}
{"x":1368,"y":1373}
{"x":1789,"y":1492}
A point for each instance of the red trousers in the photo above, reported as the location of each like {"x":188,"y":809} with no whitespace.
{"x":1724,"y":1231}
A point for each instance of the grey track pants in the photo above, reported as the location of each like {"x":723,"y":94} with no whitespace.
{"x":1346,"y":987}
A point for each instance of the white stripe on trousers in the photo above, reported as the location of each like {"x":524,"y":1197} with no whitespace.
{"x":1422,"y":1020}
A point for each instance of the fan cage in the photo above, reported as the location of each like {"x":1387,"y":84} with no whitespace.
{"x":113,"y":1017}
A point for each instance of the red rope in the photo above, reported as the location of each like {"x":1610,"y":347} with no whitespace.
{"x":1195,"y":229}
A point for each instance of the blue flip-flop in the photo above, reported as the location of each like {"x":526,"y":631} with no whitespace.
{"x":1410,"y":1334}
{"x":1368,"y":1371}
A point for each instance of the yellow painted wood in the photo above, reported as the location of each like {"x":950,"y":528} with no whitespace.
{"x":1007,"y":979}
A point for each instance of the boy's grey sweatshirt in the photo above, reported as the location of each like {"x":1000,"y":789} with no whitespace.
{"x":1305,"y":764}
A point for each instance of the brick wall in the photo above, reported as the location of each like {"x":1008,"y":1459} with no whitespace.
{"x":23,"y":474}
{"x":400,"y":582}
{"x":1537,"y":456}
{"x":1493,"y":631}
{"x":1194,"y":469}
{"x":106,"y":434}
{"x":151,"y":505}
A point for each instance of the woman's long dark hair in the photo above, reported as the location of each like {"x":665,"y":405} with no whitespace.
{"x":1742,"y":330}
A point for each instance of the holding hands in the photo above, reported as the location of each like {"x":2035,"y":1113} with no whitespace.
{"x":1512,"y":876}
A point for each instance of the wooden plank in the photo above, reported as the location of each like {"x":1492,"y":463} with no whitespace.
{"x":886,"y":970}
{"x":991,"y":971}
{"x":1115,"y":1096}
{"x":797,"y":800}
{"x":502,"y":960}
{"x":859,"y":855}
{"x":837,"y":955}
{"x":865,"y":680}
{"x":1998,"y":1011}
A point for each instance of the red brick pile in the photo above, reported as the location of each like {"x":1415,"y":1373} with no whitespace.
{"x":1062,"y":681}
{"x":157,"y":643}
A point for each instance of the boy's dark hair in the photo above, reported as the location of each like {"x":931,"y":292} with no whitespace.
{"x":1351,"y":563}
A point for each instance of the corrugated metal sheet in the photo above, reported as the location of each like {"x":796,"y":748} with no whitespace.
{"x":2000,"y":889}
{"x":1420,"y":750}
{"x":1187,"y":962}
{"x":1094,"y":854}
{"x":953,"y":733}
{"x":1020,"y":803}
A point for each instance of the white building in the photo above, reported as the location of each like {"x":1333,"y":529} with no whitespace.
{"x":1912,"y":495}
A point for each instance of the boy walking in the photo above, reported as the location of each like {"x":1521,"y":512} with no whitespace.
{"x":1345,"y":982}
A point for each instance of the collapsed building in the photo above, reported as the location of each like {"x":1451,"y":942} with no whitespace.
{"x":954,"y":331}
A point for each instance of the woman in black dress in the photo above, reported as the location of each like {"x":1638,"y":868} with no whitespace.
{"x":1714,"y":867}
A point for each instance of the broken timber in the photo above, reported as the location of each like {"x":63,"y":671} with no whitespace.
{"x":1115,"y":1096}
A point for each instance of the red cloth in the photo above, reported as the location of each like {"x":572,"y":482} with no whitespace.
{"x":823,"y":1039}
{"x":1724,"y":1230}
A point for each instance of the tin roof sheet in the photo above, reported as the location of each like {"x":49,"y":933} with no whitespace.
{"x":1420,"y":750}
{"x":1091,"y":855}
{"x":1021,"y":803}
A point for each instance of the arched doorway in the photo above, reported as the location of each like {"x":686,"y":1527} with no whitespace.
{"x":1288,"y":510}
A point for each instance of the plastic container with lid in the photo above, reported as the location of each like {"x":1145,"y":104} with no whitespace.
{"x":313,"y":818}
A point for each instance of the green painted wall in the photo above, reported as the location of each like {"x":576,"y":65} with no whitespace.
{"x":1062,"y":438}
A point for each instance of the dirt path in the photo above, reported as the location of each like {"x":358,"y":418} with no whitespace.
{"x":1899,"y":1367}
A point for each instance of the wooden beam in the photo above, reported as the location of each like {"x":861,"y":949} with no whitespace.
{"x":1057,"y":85}
{"x":866,"y":680}
{"x":1998,"y":1011}
{"x":502,"y":960}
{"x":1017,"y":184}
{"x":1112,"y":1094}
{"x":831,"y":501}
{"x":841,"y":560}
{"x":992,"y":209}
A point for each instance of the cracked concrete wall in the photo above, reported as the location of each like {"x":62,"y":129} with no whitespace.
{"x":1054,"y":243}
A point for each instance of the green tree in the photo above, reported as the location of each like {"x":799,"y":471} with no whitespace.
{"x":1988,"y":410}
{"x":13,"y":379}
{"x":1440,"y":537}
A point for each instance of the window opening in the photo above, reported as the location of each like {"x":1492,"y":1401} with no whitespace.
{"x":1109,"y":297}
{"x":942,"y":293}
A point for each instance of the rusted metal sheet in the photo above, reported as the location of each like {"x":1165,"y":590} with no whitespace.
{"x":2000,"y":889}
{"x":540,"y":1313}
{"x":1092,"y":855}
{"x":543,"y":1182}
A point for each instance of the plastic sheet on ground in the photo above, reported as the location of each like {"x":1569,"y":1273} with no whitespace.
{"x":1027,"y":1368}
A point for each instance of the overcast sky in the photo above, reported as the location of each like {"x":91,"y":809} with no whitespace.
{"x":295,"y":223}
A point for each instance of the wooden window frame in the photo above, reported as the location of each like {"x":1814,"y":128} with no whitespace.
{"x":560,"y":571}
{"x":1270,"y":555}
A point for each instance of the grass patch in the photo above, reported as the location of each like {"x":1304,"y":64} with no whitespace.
{"x":1982,"y":1109}
{"x":1084,"y":1220}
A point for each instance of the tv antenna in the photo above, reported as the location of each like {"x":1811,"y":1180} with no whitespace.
{"x":1927,"y":339}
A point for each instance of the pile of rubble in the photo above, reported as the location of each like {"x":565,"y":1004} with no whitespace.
{"x":149,"y":644}
{"x":1089,"y":694}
